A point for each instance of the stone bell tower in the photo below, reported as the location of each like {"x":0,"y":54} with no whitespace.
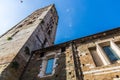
{"x":34,"y":32}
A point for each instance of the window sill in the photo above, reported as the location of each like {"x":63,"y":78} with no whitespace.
{"x":45,"y":76}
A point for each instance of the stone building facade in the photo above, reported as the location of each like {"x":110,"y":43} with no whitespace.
{"x":34,"y":32}
{"x":27,"y":52}
{"x":95,"y":57}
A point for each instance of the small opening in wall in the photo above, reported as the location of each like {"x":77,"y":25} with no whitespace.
{"x":69,"y":73}
{"x":117,"y":76}
{"x":34,"y":17}
{"x":27,"y":50}
{"x":42,"y":22}
{"x":20,"y":26}
{"x":9,"y":38}
{"x":63,"y":49}
{"x":25,"y":20}
{"x":30,"y":22}
{"x":15,"y":64}
{"x":42,"y":54}
{"x":56,"y":75}
{"x":83,"y":64}
{"x":68,"y":61}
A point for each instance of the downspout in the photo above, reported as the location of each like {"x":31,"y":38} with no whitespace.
{"x":78,"y":71}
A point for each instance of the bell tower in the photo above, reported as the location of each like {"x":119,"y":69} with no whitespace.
{"x":34,"y":32}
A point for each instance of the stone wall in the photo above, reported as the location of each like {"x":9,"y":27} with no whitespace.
{"x":64,"y":66}
{"x":78,"y":60}
{"x":98,"y":71}
{"x":30,"y":34}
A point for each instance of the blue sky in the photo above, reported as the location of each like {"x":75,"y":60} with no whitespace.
{"x":77,"y":18}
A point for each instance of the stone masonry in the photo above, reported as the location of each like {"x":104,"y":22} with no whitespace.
{"x":34,"y":32}
{"x":26,"y":49}
{"x":78,"y":59}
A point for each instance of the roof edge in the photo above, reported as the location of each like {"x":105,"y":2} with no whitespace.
{"x":83,"y":39}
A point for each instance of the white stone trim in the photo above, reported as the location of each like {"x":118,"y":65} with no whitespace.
{"x":103,"y":41}
{"x":103,"y":71}
{"x":115,"y":48}
{"x":44,"y":63}
{"x":107,"y":72}
{"x":102,"y":55}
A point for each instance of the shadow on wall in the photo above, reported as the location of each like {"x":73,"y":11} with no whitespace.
{"x":12,"y":69}
{"x":16,"y":70}
{"x":67,"y":61}
{"x":34,"y":67}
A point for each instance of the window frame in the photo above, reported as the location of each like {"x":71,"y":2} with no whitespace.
{"x":110,"y":44}
{"x":44,"y":64}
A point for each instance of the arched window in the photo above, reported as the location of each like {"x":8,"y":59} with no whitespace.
{"x":27,"y":50}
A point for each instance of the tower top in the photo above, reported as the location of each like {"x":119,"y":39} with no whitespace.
{"x":38,"y":11}
{"x":41,"y":24}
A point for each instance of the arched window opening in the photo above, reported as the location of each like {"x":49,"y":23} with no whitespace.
{"x":27,"y":50}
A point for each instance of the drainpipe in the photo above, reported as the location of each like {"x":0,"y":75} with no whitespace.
{"x":77,"y":65}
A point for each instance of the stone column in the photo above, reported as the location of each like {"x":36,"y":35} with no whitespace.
{"x":102,"y":55}
{"x":115,"y":48}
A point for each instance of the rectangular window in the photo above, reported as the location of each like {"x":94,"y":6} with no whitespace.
{"x":110,"y":53}
{"x":49,"y":67}
{"x":97,"y":60}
